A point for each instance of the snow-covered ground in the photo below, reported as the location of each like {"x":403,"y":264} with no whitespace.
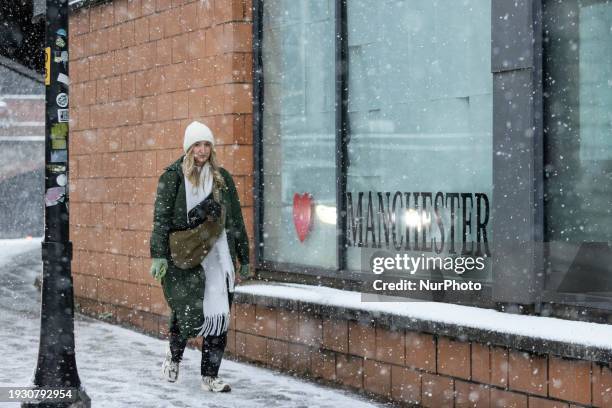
{"x":120,"y":368}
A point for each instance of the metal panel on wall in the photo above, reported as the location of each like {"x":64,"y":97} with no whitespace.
{"x":517,"y":145}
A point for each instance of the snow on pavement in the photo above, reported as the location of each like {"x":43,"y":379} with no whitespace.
{"x":120,"y":367}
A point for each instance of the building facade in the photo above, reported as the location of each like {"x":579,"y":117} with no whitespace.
{"x":475,"y":130}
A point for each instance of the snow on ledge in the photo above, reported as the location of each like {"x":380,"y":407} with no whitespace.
{"x":540,"y":327}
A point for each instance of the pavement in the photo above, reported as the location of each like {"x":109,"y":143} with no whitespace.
{"x":119,"y":367}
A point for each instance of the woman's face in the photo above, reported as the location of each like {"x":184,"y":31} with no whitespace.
{"x":201,"y":152}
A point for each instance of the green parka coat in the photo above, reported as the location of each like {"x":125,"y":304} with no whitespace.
{"x":184,"y":288}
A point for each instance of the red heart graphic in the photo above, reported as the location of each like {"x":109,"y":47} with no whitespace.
{"x":302,"y":214}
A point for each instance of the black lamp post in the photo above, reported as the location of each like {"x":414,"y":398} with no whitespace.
{"x":56,"y":367}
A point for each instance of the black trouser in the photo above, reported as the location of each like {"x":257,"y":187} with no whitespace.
{"x":212,"y":346}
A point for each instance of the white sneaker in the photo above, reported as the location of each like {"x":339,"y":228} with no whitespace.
{"x":170,"y":369}
{"x":214,"y":384}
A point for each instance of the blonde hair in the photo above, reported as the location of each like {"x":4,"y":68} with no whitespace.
{"x":193,"y":172}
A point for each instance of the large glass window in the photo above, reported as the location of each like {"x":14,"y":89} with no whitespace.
{"x":299,"y":132}
{"x":420,"y":125}
{"x":578,"y":134}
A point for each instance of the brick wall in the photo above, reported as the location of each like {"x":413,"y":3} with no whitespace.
{"x":412,"y":367}
{"x":141,"y":70}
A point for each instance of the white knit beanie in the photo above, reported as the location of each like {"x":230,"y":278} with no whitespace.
{"x":197,"y":132}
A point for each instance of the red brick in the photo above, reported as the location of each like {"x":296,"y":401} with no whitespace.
{"x":421,"y":351}
{"x":238,"y":98}
{"x":85,"y":286}
{"x":278,"y":353}
{"x":197,"y":103}
{"x":179,"y":48}
{"x":134,"y":9}
{"x":266,"y":321}
{"x":147,"y":7}
{"x":377,"y":377}
{"x":196,"y":45}
{"x":180,"y":105}
{"x":310,"y":330}
{"x":121,"y":12}
{"x":323,"y":365}
{"x":471,"y":395}
{"x":158,"y":301}
{"x":150,"y":324}
{"x":506,"y":399}
{"x":79,"y":71}
{"x":527,"y":373}
{"x":438,"y":392}
{"x":242,"y":68}
{"x":214,"y":100}
{"x":231,"y":342}
{"x":141,"y":30}
{"x":602,"y":385}
{"x":115,"y":89}
{"x":172,"y":23}
{"x":229,"y":11}
{"x":405,"y":385}
{"x":111,"y":291}
{"x":390,"y":346}
{"x":241,"y":344}
{"x":164,"y":106}
{"x":499,"y":366}
{"x":349,"y":370}
{"x":161,"y":5}
{"x":570,"y":380}
{"x":535,"y":402}
{"x":239,"y":37}
{"x":216,"y":43}
{"x":101,"y":16}
{"x":287,"y":325}
{"x":246,"y":318}
{"x":481,"y":363}
{"x":205,"y":14}
{"x":79,"y":22}
{"x":188,"y":17}
{"x":156,"y":27}
{"x":362,"y":340}
{"x":127,"y":32}
{"x":256,"y":347}
{"x":335,"y":335}
{"x":299,"y":359}
{"x":99,"y":42}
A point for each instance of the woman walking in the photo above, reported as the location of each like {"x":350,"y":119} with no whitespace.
{"x":199,"y":295}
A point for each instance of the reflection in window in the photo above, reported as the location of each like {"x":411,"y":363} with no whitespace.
{"x":420,"y":119}
{"x":299,"y":130}
{"x":578,"y":135}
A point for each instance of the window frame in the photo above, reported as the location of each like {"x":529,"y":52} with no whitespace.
{"x":518,"y":183}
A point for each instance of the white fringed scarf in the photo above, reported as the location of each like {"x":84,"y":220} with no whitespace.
{"x":218,"y":266}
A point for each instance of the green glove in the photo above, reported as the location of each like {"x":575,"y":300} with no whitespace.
{"x":244,"y":271}
{"x":159,"y":268}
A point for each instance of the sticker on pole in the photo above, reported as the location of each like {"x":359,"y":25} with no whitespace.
{"x":54,"y":196}
{"x":62,"y":115}
{"x":61,"y":180}
{"x":63,"y":78}
{"x":59,"y":156}
{"x":48,"y":66}
{"x":62,"y":100}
